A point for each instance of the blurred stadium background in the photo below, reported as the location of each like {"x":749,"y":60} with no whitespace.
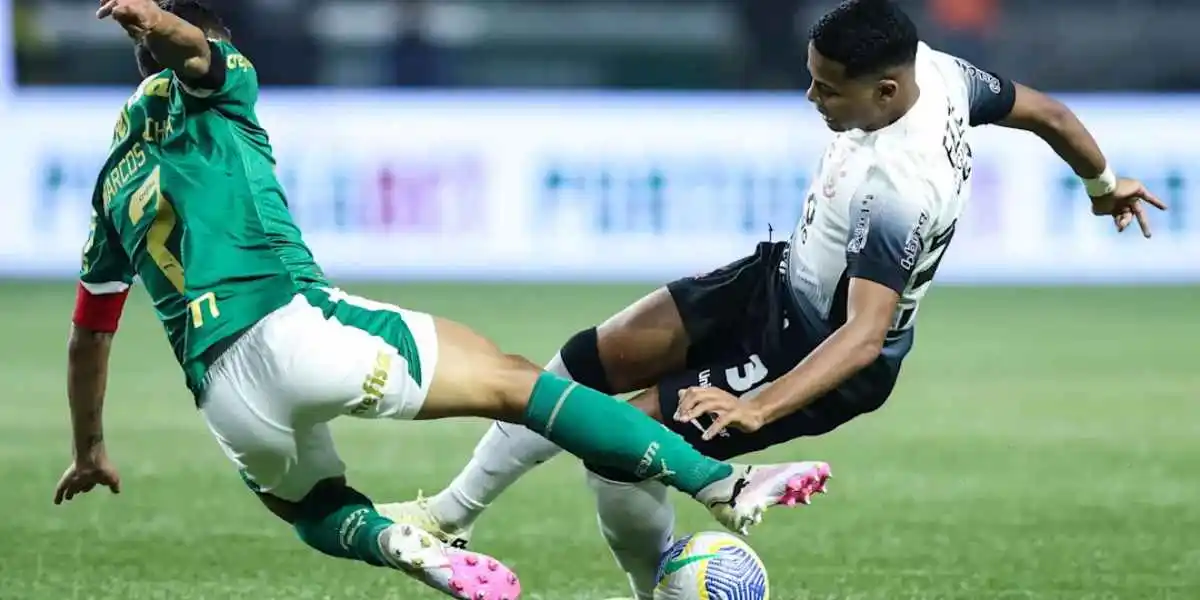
{"x":528,"y":167}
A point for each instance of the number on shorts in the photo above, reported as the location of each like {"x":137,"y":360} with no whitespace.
{"x":744,"y":378}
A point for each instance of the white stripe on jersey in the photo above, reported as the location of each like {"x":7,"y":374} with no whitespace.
{"x":101,"y":289}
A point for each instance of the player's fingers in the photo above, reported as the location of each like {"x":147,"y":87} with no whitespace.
{"x":711,"y":404}
{"x":1143,"y":220}
{"x":684,"y":405}
{"x":690,"y":413}
{"x":718,"y":426}
{"x":1119,"y":222}
{"x":65,"y":484}
{"x":689,"y":403}
{"x":1151,"y":199}
{"x":693,"y":411}
{"x":106,"y":9}
{"x":114,"y":484}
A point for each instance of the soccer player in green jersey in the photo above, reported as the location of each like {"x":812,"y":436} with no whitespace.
{"x":188,"y":203}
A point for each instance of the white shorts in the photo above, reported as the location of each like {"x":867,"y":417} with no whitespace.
{"x":269,"y":397}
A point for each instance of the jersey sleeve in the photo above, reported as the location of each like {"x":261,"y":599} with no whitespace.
{"x":105,"y":268}
{"x":990,"y":97}
{"x":231,"y":81}
{"x":886,"y":236}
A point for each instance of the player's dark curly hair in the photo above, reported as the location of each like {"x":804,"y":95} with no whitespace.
{"x":866,"y":36}
{"x":198,"y":13}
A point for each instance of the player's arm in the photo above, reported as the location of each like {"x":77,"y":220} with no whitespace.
{"x":87,"y":377}
{"x":99,"y":301}
{"x":994,"y":99}
{"x":175,"y":43}
{"x":87,"y":374}
{"x":879,"y":265}
{"x":1062,"y":130}
{"x":849,"y":350}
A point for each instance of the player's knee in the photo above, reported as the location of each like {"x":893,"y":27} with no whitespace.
{"x":313,"y":505}
{"x":581,"y":358}
{"x":327,"y":497}
{"x":510,"y":383}
{"x":288,"y":512}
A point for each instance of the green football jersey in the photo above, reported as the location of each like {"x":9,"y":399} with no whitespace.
{"x":189,"y":204}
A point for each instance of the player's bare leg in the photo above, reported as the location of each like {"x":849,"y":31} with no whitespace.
{"x":633,"y":349}
{"x":628,"y":352}
{"x":337,"y":520}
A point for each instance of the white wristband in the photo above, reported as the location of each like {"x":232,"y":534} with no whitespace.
{"x":1102,"y":185}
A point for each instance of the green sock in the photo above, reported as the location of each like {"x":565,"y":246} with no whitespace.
{"x":603,"y":430}
{"x":344,"y":525}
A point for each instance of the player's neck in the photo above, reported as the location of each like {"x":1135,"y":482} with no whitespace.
{"x":905,"y":100}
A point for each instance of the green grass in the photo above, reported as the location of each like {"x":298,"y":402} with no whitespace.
{"x":1041,"y":444}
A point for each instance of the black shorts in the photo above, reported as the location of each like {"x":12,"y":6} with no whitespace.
{"x":736,"y":318}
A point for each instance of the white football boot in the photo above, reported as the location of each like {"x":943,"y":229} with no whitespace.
{"x":739,"y":501}
{"x":416,"y":513}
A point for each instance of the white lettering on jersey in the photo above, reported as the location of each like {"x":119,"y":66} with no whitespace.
{"x":913,"y":244}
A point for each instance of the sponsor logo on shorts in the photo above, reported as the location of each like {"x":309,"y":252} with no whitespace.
{"x":375,"y":384}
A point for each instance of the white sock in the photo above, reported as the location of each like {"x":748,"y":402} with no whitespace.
{"x":504,"y":454}
{"x":638,"y":521}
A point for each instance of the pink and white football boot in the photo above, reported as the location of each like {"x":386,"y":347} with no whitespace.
{"x":457,"y":573}
{"x":739,"y":501}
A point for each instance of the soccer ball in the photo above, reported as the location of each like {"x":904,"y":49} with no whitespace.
{"x":711,"y":566}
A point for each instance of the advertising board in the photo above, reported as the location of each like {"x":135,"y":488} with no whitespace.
{"x":540,"y":186}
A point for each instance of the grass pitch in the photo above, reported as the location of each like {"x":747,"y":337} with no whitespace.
{"x":1042,"y":443}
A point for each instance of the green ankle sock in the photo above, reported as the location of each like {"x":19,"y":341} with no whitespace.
{"x":350,"y":530}
{"x":603,"y":430}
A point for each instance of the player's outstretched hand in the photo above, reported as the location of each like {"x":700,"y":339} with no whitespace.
{"x":138,"y":17}
{"x":1126,"y":204}
{"x":726,"y":409}
{"x":84,"y":474}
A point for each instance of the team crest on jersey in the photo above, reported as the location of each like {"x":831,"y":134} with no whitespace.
{"x":858,"y":236}
{"x":835,"y":171}
{"x":914,"y":243}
